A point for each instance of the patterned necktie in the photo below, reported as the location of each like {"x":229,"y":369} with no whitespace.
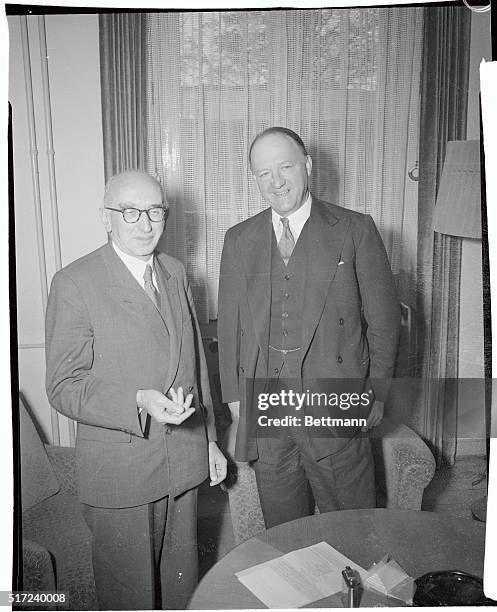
{"x":287,"y":241}
{"x":149,"y":286}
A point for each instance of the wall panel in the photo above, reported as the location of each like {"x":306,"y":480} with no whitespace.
{"x":74,"y":79}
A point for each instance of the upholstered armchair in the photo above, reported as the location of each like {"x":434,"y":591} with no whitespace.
{"x":56,"y":542}
{"x":404,"y":467}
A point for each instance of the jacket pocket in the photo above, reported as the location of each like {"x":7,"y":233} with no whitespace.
{"x":100,"y":434}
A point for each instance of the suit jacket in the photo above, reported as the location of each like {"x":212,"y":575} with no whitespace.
{"x":105,"y":340}
{"x":351,"y":315}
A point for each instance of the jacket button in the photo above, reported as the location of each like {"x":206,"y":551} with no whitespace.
{"x":341,"y":321}
{"x":286,"y":296}
{"x":339,"y":359}
{"x":284,"y":315}
{"x":287,"y":276}
{"x":285,"y":332}
{"x":241,"y":332}
{"x":242,"y":369}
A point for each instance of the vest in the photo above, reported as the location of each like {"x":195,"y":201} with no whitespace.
{"x":287,"y":305}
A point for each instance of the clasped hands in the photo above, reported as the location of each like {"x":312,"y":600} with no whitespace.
{"x":164,"y":410}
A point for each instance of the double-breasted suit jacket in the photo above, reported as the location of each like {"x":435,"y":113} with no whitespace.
{"x":105,"y":340}
{"x":351,"y":315}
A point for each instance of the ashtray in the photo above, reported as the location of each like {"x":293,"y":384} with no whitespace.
{"x":449,"y":588}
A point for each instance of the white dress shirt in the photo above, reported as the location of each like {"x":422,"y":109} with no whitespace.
{"x":136,"y":266}
{"x":296,"y":220}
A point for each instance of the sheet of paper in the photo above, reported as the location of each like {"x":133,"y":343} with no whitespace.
{"x":386,"y":576}
{"x":299,"y":577}
{"x":392,"y":575}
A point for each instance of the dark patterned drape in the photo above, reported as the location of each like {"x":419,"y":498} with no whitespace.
{"x":444,"y":94}
{"x":122,"y":75}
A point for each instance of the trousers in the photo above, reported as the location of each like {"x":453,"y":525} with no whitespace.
{"x":145,"y":557}
{"x":290,"y":481}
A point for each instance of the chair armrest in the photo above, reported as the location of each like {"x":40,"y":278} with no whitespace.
{"x":38,"y":569}
{"x":63,"y":460}
{"x":407,"y":465}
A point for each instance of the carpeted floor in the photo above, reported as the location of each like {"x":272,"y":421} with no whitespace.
{"x":454,"y":488}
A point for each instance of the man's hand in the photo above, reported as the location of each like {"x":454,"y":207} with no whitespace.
{"x":229,"y":439}
{"x":180,"y":403}
{"x":375,"y":416}
{"x":217,"y":465}
{"x":164,"y":410}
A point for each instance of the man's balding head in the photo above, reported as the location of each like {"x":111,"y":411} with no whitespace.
{"x":133,"y":189}
{"x":282,"y":131}
{"x":129,"y":184}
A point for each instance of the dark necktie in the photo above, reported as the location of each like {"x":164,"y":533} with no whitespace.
{"x":287,"y":241}
{"x":149,"y":287}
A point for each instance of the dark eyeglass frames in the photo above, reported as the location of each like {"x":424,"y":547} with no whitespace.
{"x":132,"y":215}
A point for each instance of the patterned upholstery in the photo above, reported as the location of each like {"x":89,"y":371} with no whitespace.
{"x":404,"y":467}
{"x":37,"y":566}
{"x":245,"y":509}
{"x":58,"y":525}
{"x":64,"y":466}
{"x":57,"y":541}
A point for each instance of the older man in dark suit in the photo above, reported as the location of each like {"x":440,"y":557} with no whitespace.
{"x":306,"y":293}
{"x":122,"y":336}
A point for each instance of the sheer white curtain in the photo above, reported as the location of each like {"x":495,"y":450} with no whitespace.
{"x":347,"y":80}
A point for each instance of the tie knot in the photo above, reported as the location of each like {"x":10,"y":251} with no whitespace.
{"x":147,"y":275}
{"x":285,"y":222}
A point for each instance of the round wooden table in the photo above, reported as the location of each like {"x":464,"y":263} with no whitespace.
{"x":420,"y":542}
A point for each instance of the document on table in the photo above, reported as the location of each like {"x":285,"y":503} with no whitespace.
{"x":299,"y":577}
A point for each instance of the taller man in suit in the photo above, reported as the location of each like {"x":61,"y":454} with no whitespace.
{"x":125,"y":360}
{"x":306,"y":293}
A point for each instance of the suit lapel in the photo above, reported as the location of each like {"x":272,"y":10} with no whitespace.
{"x":256,"y":257}
{"x":173,"y":316}
{"x":124,"y":288}
{"x":326,"y":235}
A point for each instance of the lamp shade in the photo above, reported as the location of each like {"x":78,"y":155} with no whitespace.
{"x":458,"y":207}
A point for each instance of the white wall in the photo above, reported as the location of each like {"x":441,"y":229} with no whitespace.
{"x":74,"y":73}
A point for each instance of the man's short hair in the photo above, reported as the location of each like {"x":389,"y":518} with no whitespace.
{"x":276,"y":129}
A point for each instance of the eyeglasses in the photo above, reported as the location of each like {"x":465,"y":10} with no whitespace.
{"x":132,"y":215}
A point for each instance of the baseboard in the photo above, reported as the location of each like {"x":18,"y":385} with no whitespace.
{"x":471,"y":446}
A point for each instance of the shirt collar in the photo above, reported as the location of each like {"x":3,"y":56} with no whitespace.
{"x":296,"y":220}
{"x":135,"y":266}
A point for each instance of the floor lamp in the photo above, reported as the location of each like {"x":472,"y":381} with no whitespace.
{"x":458,"y":213}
